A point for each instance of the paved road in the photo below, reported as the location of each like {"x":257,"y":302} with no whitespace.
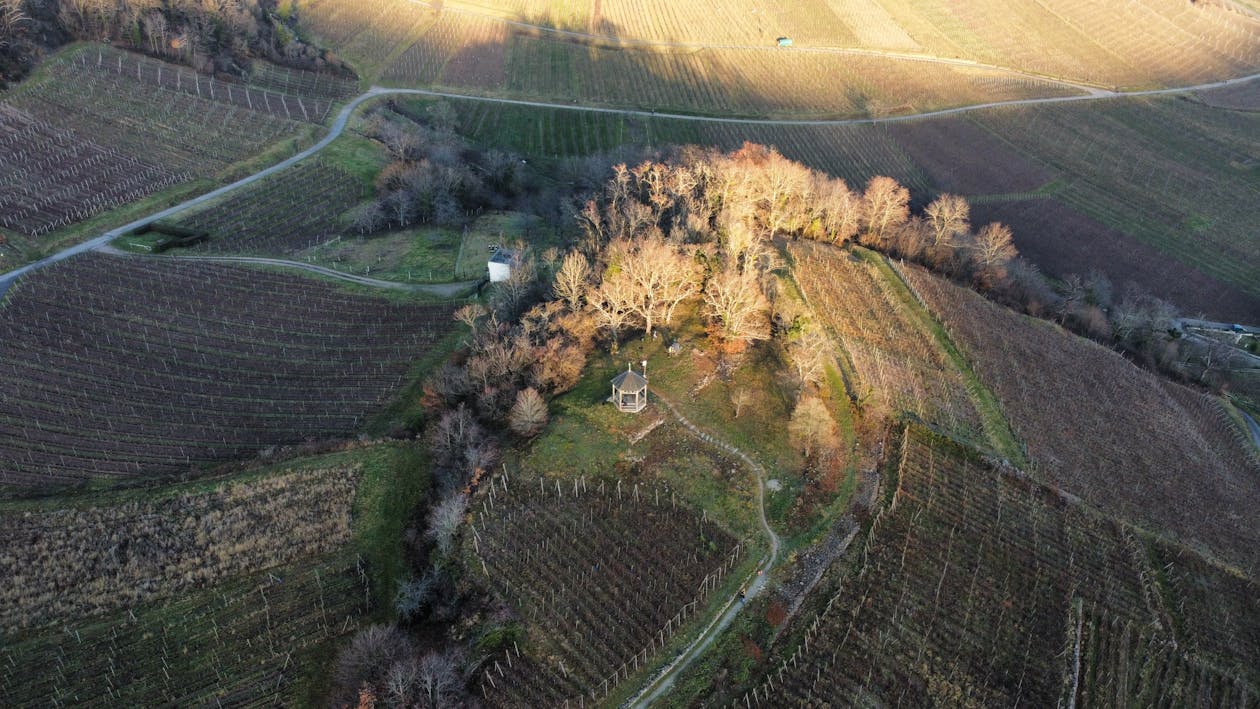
{"x":343,"y":117}
{"x":756,"y":582}
{"x":7,"y":279}
{"x":1213,"y":325}
{"x":1095,"y":95}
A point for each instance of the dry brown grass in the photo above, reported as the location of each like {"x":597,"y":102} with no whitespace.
{"x":68,"y":563}
{"x":893,"y":357}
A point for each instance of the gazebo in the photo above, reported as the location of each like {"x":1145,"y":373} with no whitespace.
{"x":629,"y":391}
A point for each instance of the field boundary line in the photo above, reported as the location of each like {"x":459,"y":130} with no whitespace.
{"x":997,"y":430}
{"x":7,"y":279}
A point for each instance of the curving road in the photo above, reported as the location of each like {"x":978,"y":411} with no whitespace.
{"x":343,"y":117}
{"x":7,"y":279}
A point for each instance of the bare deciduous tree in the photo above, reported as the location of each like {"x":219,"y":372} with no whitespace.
{"x":661,"y":277}
{"x":995,"y":247}
{"x":738,"y":306}
{"x":470,"y":314}
{"x":529,"y":414}
{"x":808,"y":354}
{"x":811,"y":425}
{"x":571,"y":280}
{"x":613,"y":303}
{"x":439,"y":680}
{"x":887,"y":205}
{"x":367,"y":217}
{"x":369,"y":656}
{"x":948,"y":216}
{"x":444,"y":520}
{"x":841,"y":211}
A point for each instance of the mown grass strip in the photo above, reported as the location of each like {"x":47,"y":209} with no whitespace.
{"x":993,"y":421}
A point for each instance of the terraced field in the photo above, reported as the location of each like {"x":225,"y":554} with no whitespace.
{"x":979,"y":587}
{"x":76,"y":140}
{"x":1153,"y":42}
{"x":416,"y":45}
{"x":133,"y":367}
{"x":890,"y":353}
{"x":1134,"y":445}
{"x":260,"y":219}
{"x":601,"y":575}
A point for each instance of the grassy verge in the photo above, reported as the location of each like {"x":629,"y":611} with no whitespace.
{"x":992,"y":420}
{"x":406,"y":410}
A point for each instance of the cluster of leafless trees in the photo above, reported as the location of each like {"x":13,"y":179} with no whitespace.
{"x":702,"y":224}
{"x":210,"y":36}
{"x":434,"y":176}
{"x":382,"y":666}
{"x":518,"y":352}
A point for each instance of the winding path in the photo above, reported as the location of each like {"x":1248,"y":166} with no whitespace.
{"x":7,"y":279}
{"x":343,"y":117}
{"x":754,"y":584}
{"x":441,"y":290}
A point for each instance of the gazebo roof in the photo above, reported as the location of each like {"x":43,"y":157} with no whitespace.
{"x":629,"y":381}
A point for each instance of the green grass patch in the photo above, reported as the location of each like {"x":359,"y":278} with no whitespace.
{"x":500,"y":229}
{"x":420,"y":255}
{"x":996,"y":429}
{"x":357,"y":155}
{"x":395,"y":480}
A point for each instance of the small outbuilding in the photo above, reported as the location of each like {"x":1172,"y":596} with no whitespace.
{"x":501,"y":264}
{"x":629,"y":391}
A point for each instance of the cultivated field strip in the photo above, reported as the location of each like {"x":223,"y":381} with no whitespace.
{"x":242,"y":644}
{"x":1176,"y":174}
{"x":368,"y":32}
{"x":1152,"y":42}
{"x":971,"y":590}
{"x":1139,"y":448}
{"x":194,"y":133}
{"x":712,"y":80}
{"x":144,"y":136}
{"x":123,"y":367}
{"x":261,"y":219}
{"x":79,"y":561}
{"x":892,"y":356}
{"x":457,"y":49}
{"x":602,"y":574}
{"x":298,"y":83}
{"x":172,"y":77}
{"x":56,"y":176}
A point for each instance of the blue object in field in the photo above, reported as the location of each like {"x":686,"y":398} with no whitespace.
{"x":1238,"y":328}
{"x":785,"y":41}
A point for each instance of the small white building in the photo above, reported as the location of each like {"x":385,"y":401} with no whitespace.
{"x":501,"y":264}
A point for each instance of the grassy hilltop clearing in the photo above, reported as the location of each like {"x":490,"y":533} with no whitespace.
{"x":510,"y":353}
